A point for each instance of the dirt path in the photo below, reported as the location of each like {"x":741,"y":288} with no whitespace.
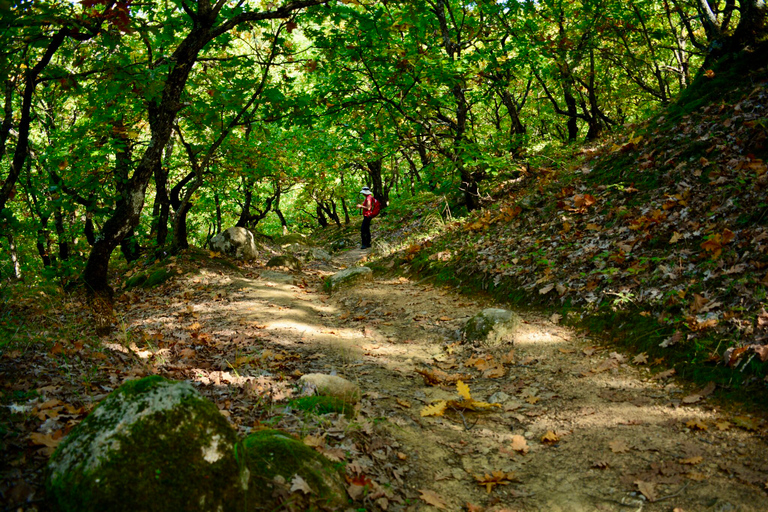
{"x":615,"y":438}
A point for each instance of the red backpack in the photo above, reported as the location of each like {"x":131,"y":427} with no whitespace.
{"x":375,"y":208}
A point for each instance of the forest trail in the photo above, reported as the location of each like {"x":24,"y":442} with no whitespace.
{"x":578,"y":427}
{"x":619,"y":438}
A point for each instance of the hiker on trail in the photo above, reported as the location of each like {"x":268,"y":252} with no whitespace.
{"x":369,"y":209}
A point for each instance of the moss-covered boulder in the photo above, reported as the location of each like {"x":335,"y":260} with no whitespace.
{"x":492,"y":327}
{"x":236,"y":242}
{"x":348,"y":277}
{"x":284,"y":469}
{"x":285,"y":260}
{"x":151,"y":445}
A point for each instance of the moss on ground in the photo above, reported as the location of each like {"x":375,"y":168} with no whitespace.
{"x":322,"y":405}
{"x":273,"y":458}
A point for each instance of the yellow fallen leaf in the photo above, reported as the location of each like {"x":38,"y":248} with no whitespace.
{"x":463,"y":390}
{"x":692,"y":461}
{"x":436,"y":409}
{"x":550,"y":438}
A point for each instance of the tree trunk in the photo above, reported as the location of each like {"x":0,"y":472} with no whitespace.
{"x":58,"y":219}
{"x":14,"y":257}
{"x":374,"y":172}
{"x":321,"y":217}
{"x":25,"y":118}
{"x":218,"y":212}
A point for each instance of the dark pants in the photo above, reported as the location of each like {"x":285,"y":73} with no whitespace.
{"x":365,"y":232}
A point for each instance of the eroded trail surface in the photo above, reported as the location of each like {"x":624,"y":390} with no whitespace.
{"x":578,"y":427}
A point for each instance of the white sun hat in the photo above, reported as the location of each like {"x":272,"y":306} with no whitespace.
{"x":366,"y":191}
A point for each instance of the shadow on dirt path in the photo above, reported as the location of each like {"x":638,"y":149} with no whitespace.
{"x":577,"y":427}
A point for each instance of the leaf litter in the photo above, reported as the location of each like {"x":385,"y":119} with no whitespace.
{"x":221,"y":331}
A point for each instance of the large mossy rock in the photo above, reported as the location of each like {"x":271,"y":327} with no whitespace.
{"x":285,"y":260}
{"x":348,"y":277}
{"x":151,"y":445}
{"x":492,"y":327}
{"x":274,"y":459}
{"x":236,"y":242}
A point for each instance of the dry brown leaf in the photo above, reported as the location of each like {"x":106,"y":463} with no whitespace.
{"x":432,"y":498}
{"x":299,"y":484}
{"x":600,"y":464}
{"x":665,"y":374}
{"x":532,"y":399}
{"x":567,"y":350}
{"x":647,"y":489}
{"x":49,"y":440}
{"x":509,"y":357}
{"x":494,"y":479}
{"x":692,"y":461}
{"x":723,"y":425}
{"x":403,"y":403}
{"x":640,"y":358}
{"x":494,"y":372}
{"x":696,"y":424}
{"x":519,"y":444}
{"x":618,"y":446}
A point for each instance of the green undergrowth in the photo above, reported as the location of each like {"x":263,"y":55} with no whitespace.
{"x":320,"y":405}
{"x":152,"y":273}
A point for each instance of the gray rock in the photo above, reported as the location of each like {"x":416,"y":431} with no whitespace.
{"x":315,"y":253}
{"x":235,"y":242}
{"x":348,"y":277}
{"x":152,"y":444}
{"x":332,"y":385}
{"x":285,"y":260}
{"x":492,"y":327}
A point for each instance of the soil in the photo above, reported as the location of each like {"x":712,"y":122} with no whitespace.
{"x":577,"y":427}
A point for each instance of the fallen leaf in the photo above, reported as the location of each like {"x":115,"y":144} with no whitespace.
{"x":432,"y":498}
{"x":299,"y":484}
{"x":723,"y":425}
{"x":647,"y":489}
{"x":463,"y":390}
{"x":696,"y":424}
{"x":403,"y":403}
{"x":46,"y":439}
{"x":618,"y":446}
{"x":692,"y":461}
{"x":494,"y":372}
{"x":519,"y":444}
{"x":550,"y":438}
{"x":600,"y":464}
{"x":436,"y":409}
{"x":509,"y":357}
{"x":746,"y":423}
{"x":640,"y":358}
{"x":494,"y":479}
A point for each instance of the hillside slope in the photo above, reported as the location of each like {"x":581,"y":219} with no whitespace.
{"x":658,"y":238}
